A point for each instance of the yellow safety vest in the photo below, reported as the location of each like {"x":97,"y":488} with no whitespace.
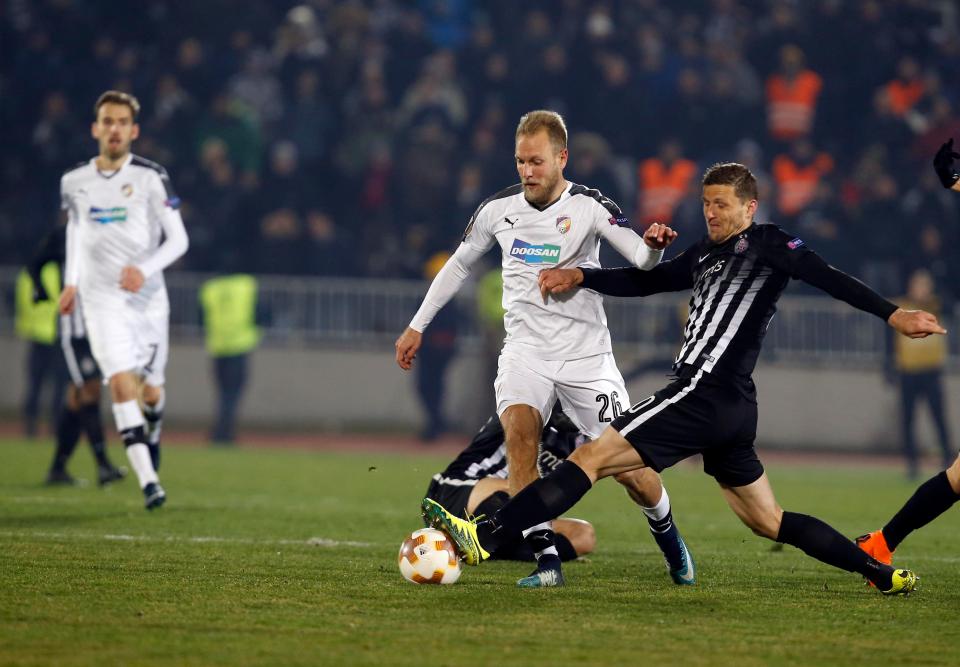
{"x":490,"y":298}
{"x":38,"y":321}
{"x":229,"y":314}
{"x":919,"y":355}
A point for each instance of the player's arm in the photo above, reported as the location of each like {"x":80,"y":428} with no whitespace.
{"x":670,"y":276}
{"x":943,"y":165}
{"x":644,"y":252}
{"x":477,"y":240}
{"x":446,"y":284}
{"x":165,"y":206}
{"x":73,"y":260}
{"x":793,"y":257}
{"x":51,"y":249}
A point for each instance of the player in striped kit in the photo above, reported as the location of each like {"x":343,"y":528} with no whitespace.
{"x":737,"y":273}
{"x":559,"y":349}
{"x":119,"y":208}
{"x":82,"y":406}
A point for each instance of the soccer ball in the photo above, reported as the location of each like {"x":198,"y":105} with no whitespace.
{"x":429,"y":557}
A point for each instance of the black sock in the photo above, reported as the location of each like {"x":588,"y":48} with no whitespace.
{"x":543,"y":500}
{"x":154,"y":455}
{"x":134,"y":436}
{"x":930,"y":500}
{"x":68,"y":433}
{"x":666,"y":536}
{"x":819,"y":540}
{"x":540,"y":541}
{"x":93,"y":427}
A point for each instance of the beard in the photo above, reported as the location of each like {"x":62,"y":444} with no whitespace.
{"x":542,"y":194}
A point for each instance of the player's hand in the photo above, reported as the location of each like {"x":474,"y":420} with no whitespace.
{"x":943,"y":164}
{"x":659,"y":236}
{"x":558,"y":281}
{"x":131,"y":278}
{"x":68,"y":299}
{"x":915,"y":323}
{"x":407,"y":346}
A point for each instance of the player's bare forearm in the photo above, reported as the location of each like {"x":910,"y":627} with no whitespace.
{"x":915,"y":323}
{"x":406,"y":346}
{"x":67,"y":299}
{"x":558,"y":281}
{"x":659,"y":236}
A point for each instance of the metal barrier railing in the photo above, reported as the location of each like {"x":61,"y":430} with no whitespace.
{"x":370,"y":313}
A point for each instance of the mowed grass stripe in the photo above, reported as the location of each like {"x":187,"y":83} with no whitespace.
{"x":225,"y":574}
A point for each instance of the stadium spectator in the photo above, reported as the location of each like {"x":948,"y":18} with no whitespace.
{"x":792,"y":94}
{"x":662,"y":183}
{"x":797,"y":174}
{"x":917,"y":367}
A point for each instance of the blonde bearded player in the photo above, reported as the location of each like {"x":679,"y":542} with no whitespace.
{"x":556,"y":349}
{"x":119,"y":207}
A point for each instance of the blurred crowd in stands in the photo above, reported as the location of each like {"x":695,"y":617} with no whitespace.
{"x":356,"y":137}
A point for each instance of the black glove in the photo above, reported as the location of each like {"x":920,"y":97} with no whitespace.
{"x":943,"y":164}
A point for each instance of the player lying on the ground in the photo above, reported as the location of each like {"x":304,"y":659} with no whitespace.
{"x":737,"y":273}
{"x":476,"y":484}
{"x":942,"y":491}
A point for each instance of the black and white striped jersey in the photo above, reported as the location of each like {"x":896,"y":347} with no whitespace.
{"x":736,"y":285}
{"x":486,"y":455}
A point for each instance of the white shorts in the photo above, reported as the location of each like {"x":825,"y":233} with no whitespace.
{"x":128,"y":340}
{"x":591,"y":390}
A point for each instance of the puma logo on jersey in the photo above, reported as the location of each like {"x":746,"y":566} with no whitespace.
{"x":510,"y":222}
{"x":535,"y":254}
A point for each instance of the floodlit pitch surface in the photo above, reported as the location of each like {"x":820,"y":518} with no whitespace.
{"x":289,"y":558}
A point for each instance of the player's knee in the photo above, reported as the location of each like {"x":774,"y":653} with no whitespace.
{"x":953,"y":475}
{"x":584,"y":538}
{"x":642,"y":485}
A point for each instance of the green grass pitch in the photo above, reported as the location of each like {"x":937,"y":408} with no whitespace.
{"x":289,"y":558}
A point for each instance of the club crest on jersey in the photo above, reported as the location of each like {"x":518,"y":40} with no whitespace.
{"x":795,"y":243}
{"x":529,"y":253}
{"x":127,"y":189}
{"x":107,"y":215}
{"x":563,"y":224}
{"x":741,"y":246}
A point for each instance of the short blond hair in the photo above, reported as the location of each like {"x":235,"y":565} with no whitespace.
{"x":551,"y":121}
{"x":117,"y":97}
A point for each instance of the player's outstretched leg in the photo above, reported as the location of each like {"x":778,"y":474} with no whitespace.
{"x":545,"y":498}
{"x":756,"y":506}
{"x":930,"y":500}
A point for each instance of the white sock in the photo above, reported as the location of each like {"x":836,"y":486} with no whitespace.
{"x":142,"y":464}
{"x":659,"y":511}
{"x":546,"y":525}
{"x":128,"y":418}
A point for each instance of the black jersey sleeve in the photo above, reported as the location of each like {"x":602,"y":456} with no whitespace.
{"x":790,"y":255}
{"x":51,"y":249}
{"x":670,"y":276}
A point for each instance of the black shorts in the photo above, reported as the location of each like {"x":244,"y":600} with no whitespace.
{"x":80,"y":362}
{"x":697,"y":415}
{"x":453,"y":494}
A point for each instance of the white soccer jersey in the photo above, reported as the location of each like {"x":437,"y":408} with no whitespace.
{"x":565,"y":234}
{"x":115,"y":219}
